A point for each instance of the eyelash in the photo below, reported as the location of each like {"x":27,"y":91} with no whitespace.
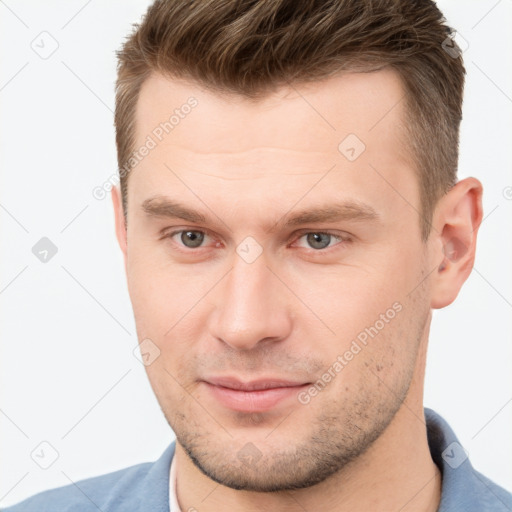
{"x":342,"y":239}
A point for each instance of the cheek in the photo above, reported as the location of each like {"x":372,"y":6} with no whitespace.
{"x":160,"y":293}
{"x":364,"y":315}
{"x":170,"y":308}
{"x":349,"y":298}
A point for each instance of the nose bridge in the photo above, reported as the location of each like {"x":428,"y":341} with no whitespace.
{"x":250,"y":308}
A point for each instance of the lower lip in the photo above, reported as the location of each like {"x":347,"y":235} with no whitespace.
{"x":253,"y":401}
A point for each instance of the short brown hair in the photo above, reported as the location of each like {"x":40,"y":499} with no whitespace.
{"x":251,"y":47}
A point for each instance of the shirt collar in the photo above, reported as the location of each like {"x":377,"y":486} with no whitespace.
{"x":173,"y":497}
{"x":463,"y":488}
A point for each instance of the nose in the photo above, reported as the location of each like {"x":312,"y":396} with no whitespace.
{"x":251,"y":307}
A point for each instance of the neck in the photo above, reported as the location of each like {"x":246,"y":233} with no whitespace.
{"x":400,"y":477}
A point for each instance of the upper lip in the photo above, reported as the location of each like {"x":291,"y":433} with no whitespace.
{"x":253,"y":385}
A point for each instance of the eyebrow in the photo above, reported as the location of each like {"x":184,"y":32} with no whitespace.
{"x":161,"y":206}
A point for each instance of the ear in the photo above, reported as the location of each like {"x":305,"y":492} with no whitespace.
{"x":457,"y":218}
{"x":121,"y":233}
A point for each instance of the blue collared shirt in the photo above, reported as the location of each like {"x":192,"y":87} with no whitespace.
{"x":145,"y":487}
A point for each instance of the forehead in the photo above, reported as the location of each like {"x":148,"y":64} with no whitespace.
{"x":314,"y":116}
{"x":237,"y":152}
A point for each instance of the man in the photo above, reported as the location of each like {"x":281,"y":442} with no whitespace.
{"x":289,"y":215}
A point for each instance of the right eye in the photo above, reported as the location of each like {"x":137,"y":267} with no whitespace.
{"x":189,"y":238}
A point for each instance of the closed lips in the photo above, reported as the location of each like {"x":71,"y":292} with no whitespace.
{"x":256,"y":385}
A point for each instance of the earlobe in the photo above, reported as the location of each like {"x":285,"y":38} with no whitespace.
{"x":119,"y":219}
{"x":457,"y":219}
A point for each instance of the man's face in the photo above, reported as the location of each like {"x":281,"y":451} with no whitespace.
{"x":302,"y":269}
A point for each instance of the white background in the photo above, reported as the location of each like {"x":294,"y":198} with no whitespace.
{"x":68,"y":375}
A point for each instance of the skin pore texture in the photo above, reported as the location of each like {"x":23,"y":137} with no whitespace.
{"x":288,"y":304}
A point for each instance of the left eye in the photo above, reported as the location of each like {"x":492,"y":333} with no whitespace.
{"x":319,"y":240}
